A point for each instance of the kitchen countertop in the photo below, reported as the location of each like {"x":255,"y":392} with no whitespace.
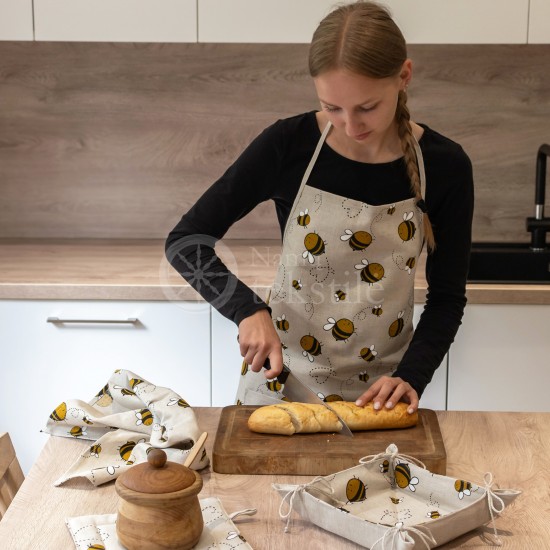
{"x":510,"y":445}
{"x":76,"y":269}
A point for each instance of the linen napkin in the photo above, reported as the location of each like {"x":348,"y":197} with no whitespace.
{"x":128,"y":416}
{"x":99,"y":532}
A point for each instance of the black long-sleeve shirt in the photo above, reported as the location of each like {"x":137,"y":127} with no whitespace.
{"x":271,"y":168}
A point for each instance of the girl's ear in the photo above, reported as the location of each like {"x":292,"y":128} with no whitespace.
{"x":405,"y":74}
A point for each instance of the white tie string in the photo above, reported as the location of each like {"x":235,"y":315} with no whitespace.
{"x":392,"y":453}
{"x":495,"y":503}
{"x":397,"y":531}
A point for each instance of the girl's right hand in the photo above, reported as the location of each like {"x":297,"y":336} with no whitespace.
{"x":259,"y":341}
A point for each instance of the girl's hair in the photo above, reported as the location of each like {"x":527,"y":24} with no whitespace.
{"x":363,"y":38}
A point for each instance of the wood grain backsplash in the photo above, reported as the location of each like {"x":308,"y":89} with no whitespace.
{"x":111,"y":140}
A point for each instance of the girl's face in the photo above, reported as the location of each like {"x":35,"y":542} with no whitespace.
{"x":361,"y":108}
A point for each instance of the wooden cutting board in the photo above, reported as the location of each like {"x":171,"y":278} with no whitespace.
{"x":237,"y":450}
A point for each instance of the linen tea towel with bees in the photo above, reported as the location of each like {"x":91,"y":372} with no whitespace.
{"x":128,"y":416}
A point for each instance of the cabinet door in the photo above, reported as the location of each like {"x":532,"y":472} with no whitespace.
{"x":116,"y":20}
{"x":44,"y":363}
{"x":16,"y":20}
{"x":226,"y":362}
{"x":435,"y":395}
{"x":500,"y":359}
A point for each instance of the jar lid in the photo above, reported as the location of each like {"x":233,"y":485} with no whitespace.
{"x":157,"y":475}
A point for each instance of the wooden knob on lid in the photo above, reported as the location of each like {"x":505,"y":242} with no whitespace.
{"x":157,"y":475}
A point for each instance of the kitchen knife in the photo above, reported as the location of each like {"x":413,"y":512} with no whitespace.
{"x":297,"y":391}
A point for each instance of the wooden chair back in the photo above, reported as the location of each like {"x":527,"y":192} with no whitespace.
{"x":11,"y":475}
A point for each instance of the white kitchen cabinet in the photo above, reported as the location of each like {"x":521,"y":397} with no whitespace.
{"x":43,"y":363}
{"x":422,"y":21}
{"x":116,"y":20}
{"x":16,"y":20}
{"x":227,"y":361}
{"x":539,"y":22}
{"x":500,"y":360}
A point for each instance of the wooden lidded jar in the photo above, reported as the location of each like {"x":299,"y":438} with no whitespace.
{"x":159,"y":506}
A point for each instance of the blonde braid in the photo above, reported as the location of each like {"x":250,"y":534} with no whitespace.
{"x":404,"y":131}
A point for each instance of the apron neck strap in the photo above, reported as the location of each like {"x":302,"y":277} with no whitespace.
{"x":421,"y":170}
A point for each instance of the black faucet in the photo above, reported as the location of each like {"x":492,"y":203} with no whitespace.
{"x":539,"y":225}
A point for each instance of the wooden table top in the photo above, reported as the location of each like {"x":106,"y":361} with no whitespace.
{"x":136,"y":269}
{"x":515,"y":447}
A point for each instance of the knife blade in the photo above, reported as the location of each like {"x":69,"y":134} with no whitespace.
{"x":297,"y":391}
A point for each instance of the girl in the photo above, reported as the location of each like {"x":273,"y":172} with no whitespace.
{"x":359,"y":188}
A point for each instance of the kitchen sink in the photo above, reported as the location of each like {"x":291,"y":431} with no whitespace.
{"x":509,"y":263}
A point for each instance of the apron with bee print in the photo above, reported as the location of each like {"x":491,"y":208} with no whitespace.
{"x":343,"y":297}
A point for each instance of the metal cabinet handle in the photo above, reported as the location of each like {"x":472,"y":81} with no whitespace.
{"x":129,"y":321}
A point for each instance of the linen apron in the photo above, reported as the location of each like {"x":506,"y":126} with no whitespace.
{"x":343,"y":296}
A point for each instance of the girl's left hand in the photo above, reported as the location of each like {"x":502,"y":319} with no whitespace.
{"x":387,"y":391}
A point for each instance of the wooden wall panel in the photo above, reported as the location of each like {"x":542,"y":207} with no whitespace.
{"x":118,"y":140}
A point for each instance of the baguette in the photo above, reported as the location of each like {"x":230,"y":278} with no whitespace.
{"x":291,"y":418}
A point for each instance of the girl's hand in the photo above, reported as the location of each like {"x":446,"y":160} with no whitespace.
{"x":388,"y":391}
{"x":258,"y":341}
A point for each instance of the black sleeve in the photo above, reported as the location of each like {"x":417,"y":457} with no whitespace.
{"x":190,"y":245}
{"x":450,"y":209}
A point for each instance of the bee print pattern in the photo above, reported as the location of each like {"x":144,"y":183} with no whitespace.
{"x":95,"y":450}
{"x":463,"y":488}
{"x":178,"y":401}
{"x":274,"y":385}
{"x":297,"y":284}
{"x":339,"y":295}
{"x":234,"y":535}
{"x":311,"y":347}
{"x":356,"y":490}
{"x":403,"y":477}
{"x":409,"y":264}
{"x":104,"y":397}
{"x":96,"y":547}
{"x":385,"y":466}
{"x":397,"y":326}
{"x":60,"y":413}
{"x":125,"y":451}
{"x":315,"y":246}
{"x":363,"y":376}
{"x":391,"y":210}
{"x":124,"y":391}
{"x":368,"y":354}
{"x":282,"y":323}
{"x":330,"y":398}
{"x":341,"y":329}
{"x":370,"y":272}
{"x":87,"y":420}
{"x":407,"y":228}
{"x":377,"y":310}
{"x":304,"y":219}
{"x":244,"y":368}
{"x":145,"y":417}
{"x":358,"y":240}
{"x":135,"y":381}
{"x":78,"y":431}
{"x":396,"y":500}
{"x":434,"y":514}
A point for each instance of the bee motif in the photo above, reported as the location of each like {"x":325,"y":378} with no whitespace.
{"x":370,"y":272}
{"x":234,"y":535}
{"x":364,"y":376}
{"x":311,"y":347}
{"x":340,"y":295}
{"x":368,"y":354}
{"x":273,"y":385}
{"x":304,"y":219}
{"x":358,"y":240}
{"x":59,"y":413}
{"x":463,"y":488}
{"x":95,"y":450}
{"x":385,"y":466}
{"x":145,"y":417}
{"x":282,"y":323}
{"x":126,"y":392}
{"x":239,"y":402}
{"x":356,"y":490}
{"x":397,"y":326}
{"x":330,"y":398}
{"x":403,"y":477}
{"x":433,"y":514}
{"x":135,"y":381}
{"x":125,"y":451}
{"x":396,"y":500}
{"x":87,"y":420}
{"x":410,"y":263}
{"x":391,"y":210}
{"x":78,"y":431}
{"x":315,"y":246}
{"x":104,"y":397}
{"x":96,"y":547}
{"x":297,"y":284}
{"x":377,"y":310}
{"x":341,"y":329}
{"x":406,"y":228}
{"x":244,"y":368}
{"x":178,"y":401}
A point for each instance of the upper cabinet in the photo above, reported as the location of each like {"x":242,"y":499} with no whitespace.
{"x":115,"y":20}
{"x":539,"y":22}
{"x":16,"y":20}
{"x":422,"y":21}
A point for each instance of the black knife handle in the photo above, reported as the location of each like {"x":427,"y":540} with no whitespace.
{"x":284,"y":374}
